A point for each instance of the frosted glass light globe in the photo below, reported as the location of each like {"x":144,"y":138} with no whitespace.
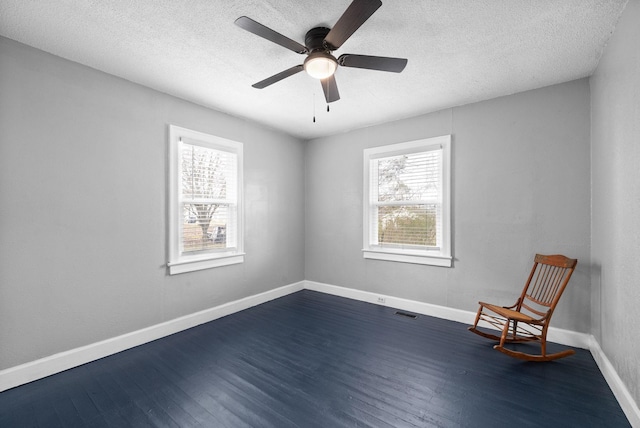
{"x":320,"y":65}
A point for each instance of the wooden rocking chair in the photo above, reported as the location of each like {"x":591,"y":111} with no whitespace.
{"x":528,"y":319}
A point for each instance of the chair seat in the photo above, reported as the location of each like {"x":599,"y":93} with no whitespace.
{"x":509,"y":313}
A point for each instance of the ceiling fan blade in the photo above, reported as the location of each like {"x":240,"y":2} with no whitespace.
{"x":278,"y":77}
{"x":355,"y":15}
{"x":265,"y":32}
{"x":382,"y":63}
{"x":330,"y":89}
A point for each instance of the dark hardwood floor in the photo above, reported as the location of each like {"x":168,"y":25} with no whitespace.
{"x":314,"y":360}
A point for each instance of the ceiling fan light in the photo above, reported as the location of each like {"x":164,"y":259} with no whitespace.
{"x":320,"y":65}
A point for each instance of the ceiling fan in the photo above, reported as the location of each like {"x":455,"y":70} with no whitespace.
{"x":320,"y":42}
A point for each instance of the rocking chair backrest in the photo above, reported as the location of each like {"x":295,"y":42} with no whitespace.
{"x":547,"y":281}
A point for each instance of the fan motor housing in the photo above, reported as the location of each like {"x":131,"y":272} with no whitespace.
{"x":314,"y":39}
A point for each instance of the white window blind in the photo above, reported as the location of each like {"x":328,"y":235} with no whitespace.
{"x":407,"y":199}
{"x":209,"y":198}
{"x":406,"y":204}
{"x":205,"y":184}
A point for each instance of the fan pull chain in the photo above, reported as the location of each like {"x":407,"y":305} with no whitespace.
{"x":314,"y":107}
{"x":328,"y":108}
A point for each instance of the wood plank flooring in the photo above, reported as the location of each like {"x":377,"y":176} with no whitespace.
{"x":314,"y":360}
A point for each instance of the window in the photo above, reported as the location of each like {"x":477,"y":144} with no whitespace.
{"x":205,"y":201}
{"x":407,"y":202}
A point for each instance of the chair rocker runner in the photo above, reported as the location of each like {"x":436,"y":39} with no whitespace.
{"x":528,"y":319}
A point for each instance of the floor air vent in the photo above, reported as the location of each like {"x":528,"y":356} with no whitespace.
{"x":406,"y":314}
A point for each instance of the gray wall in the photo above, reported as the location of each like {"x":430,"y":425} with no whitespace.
{"x":83,"y":207}
{"x":521,"y":185}
{"x":615,"y":153}
{"x":83,"y":204}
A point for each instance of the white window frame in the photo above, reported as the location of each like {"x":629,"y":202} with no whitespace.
{"x":437,"y":256}
{"x":181,"y":263}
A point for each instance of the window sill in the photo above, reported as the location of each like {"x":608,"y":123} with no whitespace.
{"x":184,"y":266}
{"x":408,"y":257}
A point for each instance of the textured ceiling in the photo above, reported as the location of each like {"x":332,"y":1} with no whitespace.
{"x":458,"y":51}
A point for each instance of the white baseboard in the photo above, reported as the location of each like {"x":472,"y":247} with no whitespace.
{"x":28,"y":372}
{"x":393,"y":302}
{"x":557,"y":335}
{"x":620,"y":391}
